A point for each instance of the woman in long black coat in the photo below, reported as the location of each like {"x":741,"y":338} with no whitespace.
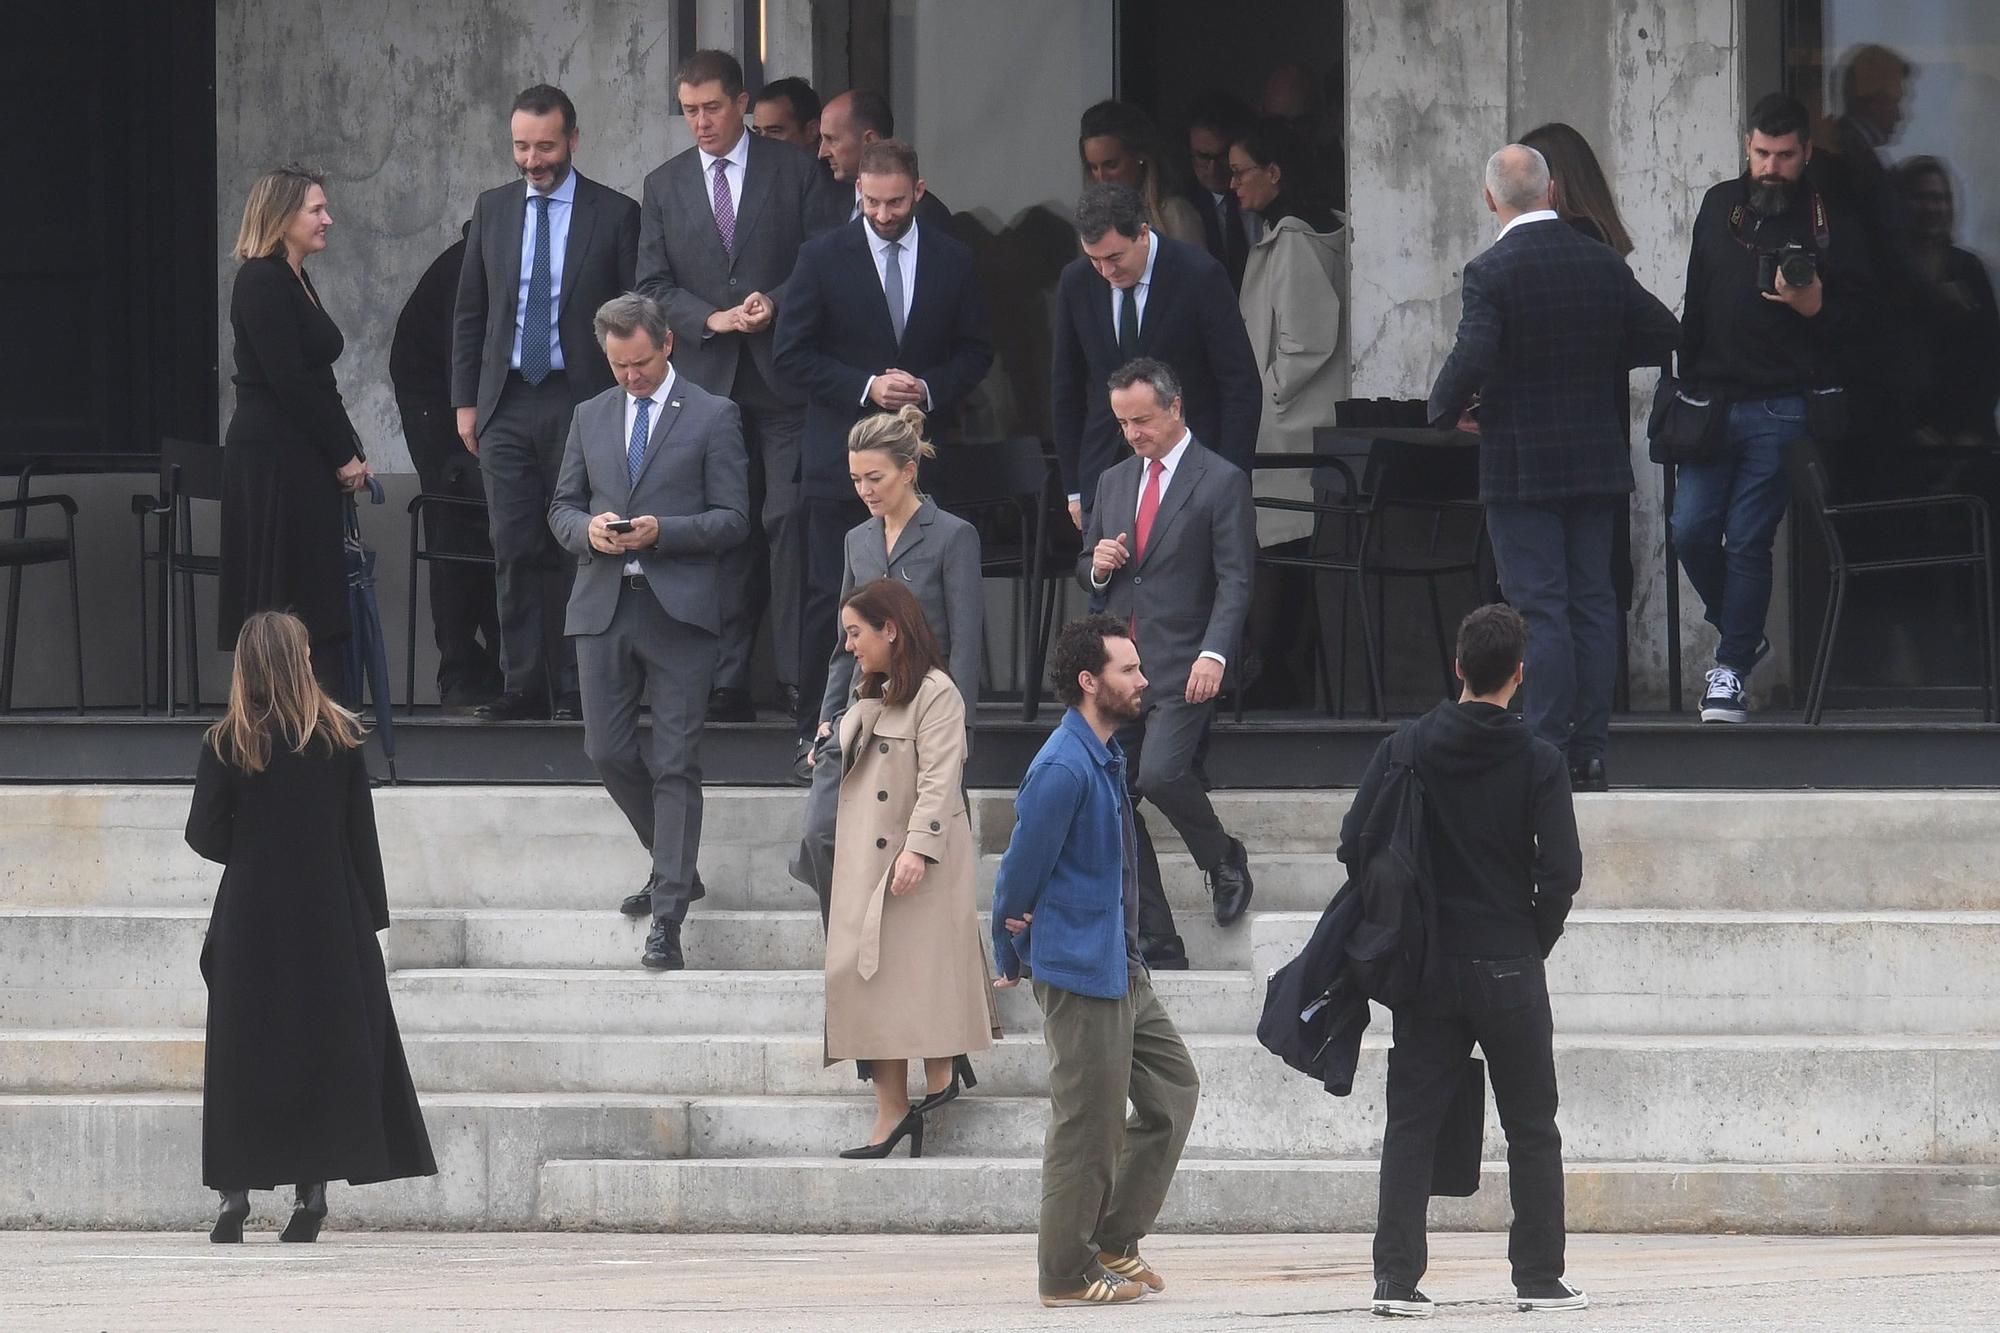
{"x":305,"y":1080}
{"x":291,"y":454}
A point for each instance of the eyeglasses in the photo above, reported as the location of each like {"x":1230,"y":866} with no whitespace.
{"x":1238,"y":173}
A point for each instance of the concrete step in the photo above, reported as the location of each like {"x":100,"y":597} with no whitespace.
{"x":1616,"y":971}
{"x":622,"y":1161}
{"x":1750,"y":972}
{"x":725,"y":1003}
{"x":1003,"y":1194}
{"x":521,"y":847}
{"x":1694,"y":1099}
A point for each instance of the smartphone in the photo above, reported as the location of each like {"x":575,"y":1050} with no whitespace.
{"x":619,"y":525}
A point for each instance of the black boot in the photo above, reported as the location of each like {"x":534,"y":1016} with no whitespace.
{"x":308,"y":1212}
{"x":229,"y":1222}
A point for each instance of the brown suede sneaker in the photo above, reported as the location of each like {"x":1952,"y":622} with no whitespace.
{"x":1098,"y":1287}
{"x":1132,"y":1268}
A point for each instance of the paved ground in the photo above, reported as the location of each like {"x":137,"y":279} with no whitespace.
{"x":67,"y":1280}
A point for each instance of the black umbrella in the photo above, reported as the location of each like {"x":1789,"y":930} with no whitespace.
{"x":367,"y":651}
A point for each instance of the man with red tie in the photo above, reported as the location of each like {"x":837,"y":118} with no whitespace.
{"x":1169,"y":548}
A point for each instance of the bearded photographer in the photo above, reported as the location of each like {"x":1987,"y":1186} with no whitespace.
{"x":1778,"y":286}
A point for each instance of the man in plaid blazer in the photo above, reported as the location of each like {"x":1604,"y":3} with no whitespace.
{"x":1553,"y":321}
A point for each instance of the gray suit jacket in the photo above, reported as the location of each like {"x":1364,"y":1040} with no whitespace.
{"x":597,"y":265}
{"x":695,"y":480}
{"x":683,"y":266}
{"x":937,"y":558}
{"x":1190,"y":591}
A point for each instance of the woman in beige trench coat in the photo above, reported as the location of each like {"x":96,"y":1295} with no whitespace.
{"x":906,"y":970}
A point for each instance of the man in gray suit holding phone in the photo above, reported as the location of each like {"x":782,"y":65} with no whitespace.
{"x":653,"y":494}
{"x":1169,"y":547}
{"x":720,"y":228}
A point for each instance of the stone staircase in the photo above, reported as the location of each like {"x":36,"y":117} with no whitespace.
{"x":1776,"y":1012}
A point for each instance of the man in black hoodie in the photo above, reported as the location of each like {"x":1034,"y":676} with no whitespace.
{"x":1505,"y":862}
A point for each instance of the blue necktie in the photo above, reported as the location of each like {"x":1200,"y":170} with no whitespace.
{"x":537,"y":319}
{"x":635,"y":452}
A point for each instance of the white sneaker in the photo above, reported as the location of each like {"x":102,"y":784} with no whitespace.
{"x":1557,"y":1295}
{"x":1723,"y":699}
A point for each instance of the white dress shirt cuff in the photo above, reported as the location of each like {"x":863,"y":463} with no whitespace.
{"x":867,"y":387}
{"x":1096,"y":582}
{"x":1216,"y":658}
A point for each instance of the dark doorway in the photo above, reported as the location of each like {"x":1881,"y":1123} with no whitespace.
{"x":109,"y":254}
{"x":1170,"y":52}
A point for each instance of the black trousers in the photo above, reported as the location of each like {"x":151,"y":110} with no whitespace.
{"x":1554,"y":560}
{"x":1503,"y":1004}
{"x":464,"y":617}
{"x":1162,"y":757}
{"x":824,"y":528}
{"x":520,"y":455}
{"x":766,"y":569}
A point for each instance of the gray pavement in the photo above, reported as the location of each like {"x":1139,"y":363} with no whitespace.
{"x":945,"y":1284}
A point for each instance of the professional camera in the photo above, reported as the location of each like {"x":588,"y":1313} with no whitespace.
{"x":1798,"y":262}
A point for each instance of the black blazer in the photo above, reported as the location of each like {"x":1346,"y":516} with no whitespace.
{"x":1233,"y":259}
{"x":1191,"y":323}
{"x":1550,"y":318}
{"x":598,"y":263}
{"x":834,"y":332}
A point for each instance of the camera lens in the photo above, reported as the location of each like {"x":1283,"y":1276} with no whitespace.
{"x":1799,"y":269}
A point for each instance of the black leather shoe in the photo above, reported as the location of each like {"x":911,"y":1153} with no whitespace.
{"x":513,"y":706}
{"x":1588,"y":776}
{"x":1230,"y":885}
{"x":309,"y":1212}
{"x":229,"y":1222}
{"x":731,"y":706}
{"x":569,"y":707}
{"x":663,"y":947}
{"x":1163,"y":953}
{"x":788,"y":700}
{"x":639,"y":904}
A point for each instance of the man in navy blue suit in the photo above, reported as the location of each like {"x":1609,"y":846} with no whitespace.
{"x":881,"y":313}
{"x":1134,"y":294}
{"x":1552,"y":320}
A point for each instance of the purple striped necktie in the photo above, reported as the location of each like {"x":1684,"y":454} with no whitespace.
{"x":725,"y":207}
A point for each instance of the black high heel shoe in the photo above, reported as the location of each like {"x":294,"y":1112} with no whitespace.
{"x":961,"y":1073}
{"x":229,"y":1222}
{"x":310,"y":1211}
{"x":910,"y":1126}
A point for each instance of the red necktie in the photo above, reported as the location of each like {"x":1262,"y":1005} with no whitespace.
{"x":1149,"y":505}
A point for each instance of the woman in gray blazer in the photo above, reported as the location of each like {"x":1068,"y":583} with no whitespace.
{"x":933,"y":554}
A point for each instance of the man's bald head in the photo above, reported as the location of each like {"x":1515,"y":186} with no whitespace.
{"x":1517,"y":181}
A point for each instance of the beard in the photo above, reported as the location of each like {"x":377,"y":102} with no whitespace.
{"x":902,"y":228}
{"x":1770,"y":196}
{"x":1125,"y":708}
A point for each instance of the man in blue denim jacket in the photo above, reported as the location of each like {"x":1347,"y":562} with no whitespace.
{"x":1066,"y":910}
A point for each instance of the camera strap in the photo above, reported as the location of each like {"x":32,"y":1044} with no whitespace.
{"x":1739,"y":217}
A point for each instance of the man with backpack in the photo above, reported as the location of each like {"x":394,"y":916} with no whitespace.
{"x":1501,"y":863}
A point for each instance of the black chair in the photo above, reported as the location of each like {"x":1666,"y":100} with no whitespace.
{"x":16,"y":554}
{"x":188,"y":472}
{"x":1414,"y":515}
{"x":1008,"y":490}
{"x":1966,"y":544}
{"x":421,"y":554}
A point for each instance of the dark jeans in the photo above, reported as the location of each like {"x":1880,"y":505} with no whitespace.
{"x":462,"y":600}
{"x":824,"y":527}
{"x":1503,"y":1004}
{"x":1726,"y":515}
{"x":1554,"y":559}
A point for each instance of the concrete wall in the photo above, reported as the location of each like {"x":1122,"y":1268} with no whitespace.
{"x":1433,"y":87}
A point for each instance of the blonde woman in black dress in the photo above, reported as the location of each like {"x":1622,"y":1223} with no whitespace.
{"x":291,"y":455}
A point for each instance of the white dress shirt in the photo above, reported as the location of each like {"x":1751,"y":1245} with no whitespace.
{"x":907,"y":262}
{"x":1168,"y":466}
{"x":738,"y":159}
{"x":660,"y":399}
{"x":1539,"y":215}
{"x":561,"y":201}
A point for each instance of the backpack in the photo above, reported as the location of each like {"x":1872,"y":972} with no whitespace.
{"x":1392,"y":953}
